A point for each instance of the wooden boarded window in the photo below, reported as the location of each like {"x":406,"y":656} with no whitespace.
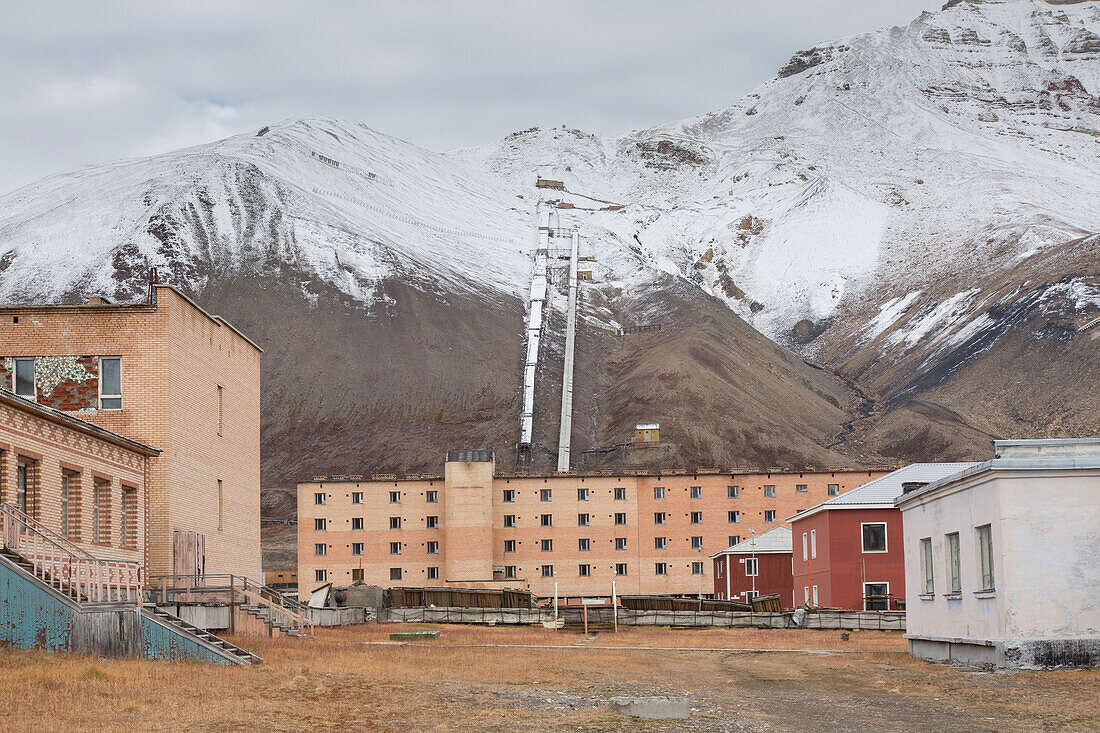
{"x":189,"y":550}
{"x":129,"y":517}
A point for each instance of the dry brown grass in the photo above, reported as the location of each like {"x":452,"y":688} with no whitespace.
{"x":337,"y":683}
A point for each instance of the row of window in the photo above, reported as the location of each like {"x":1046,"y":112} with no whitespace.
{"x":546,"y":495}
{"x":986,"y":581}
{"x":110,"y":381}
{"x":320,"y":524}
{"x":28,"y":499}
{"x":584,"y":544}
{"x":321,"y":575}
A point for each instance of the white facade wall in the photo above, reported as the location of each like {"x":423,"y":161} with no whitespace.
{"x":1046,"y":549}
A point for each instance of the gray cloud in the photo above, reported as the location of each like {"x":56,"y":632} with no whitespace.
{"x":90,"y":82}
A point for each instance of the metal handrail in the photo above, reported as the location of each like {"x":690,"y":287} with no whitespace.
{"x":281,"y":609}
{"x":55,"y":559}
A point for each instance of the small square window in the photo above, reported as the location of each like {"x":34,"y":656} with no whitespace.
{"x":319,"y":525}
{"x":357,"y":523}
{"x":357,"y":575}
{"x":834,"y":489}
{"x":696,"y":543}
{"x":696,"y":517}
{"x":658,"y":492}
{"x":620,"y":493}
{"x":395,"y":548}
{"x":660,"y":568}
{"x":320,"y":549}
{"x":583,"y":544}
{"x":620,"y":568}
{"x":620,"y":543}
{"x":431,"y":497}
{"x":509,"y":496}
{"x":395,"y":573}
{"x":732,"y":492}
{"x":734,"y":517}
{"x":509,"y":545}
{"x":357,"y":497}
{"x":874,"y":537}
{"x":801,"y":487}
{"x":547,"y":545}
{"x":584,"y":571}
{"x":319,"y":499}
{"x":546,"y":520}
{"x":548,"y":571}
{"x":696,"y":492}
{"x":697,"y":568}
{"x":620,"y":518}
{"x":582,"y":494}
{"x":356,"y":548}
{"x":395,"y":522}
{"x":433,"y":573}
{"x":658,"y":517}
{"x":582,"y":520}
{"x":544,"y":495}
{"x":431,"y":522}
{"x":509,"y":571}
{"x":395,"y":497}
{"x":769,"y":515}
{"x":320,"y":575}
{"x":659,"y":543}
{"x":509,"y":520}
{"x":769,"y":492}
{"x":734,"y":539}
{"x":433,"y":548}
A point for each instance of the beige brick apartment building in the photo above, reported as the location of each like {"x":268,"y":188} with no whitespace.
{"x":168,"y":375}
{"x":650,"y":533}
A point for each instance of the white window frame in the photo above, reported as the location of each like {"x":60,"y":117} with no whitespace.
{"x":433,"y":572}
{"x":509,"y":546}
{"x":33,"y":396}
{"x":829,"y":490}
{"x":431,"y":521}
{"x":876,"y":582}
{"x":357,"y":548}
{"x":619,"y":493}
{"x":584,"y":544}
{"x":752,"y":567}
{"x":433,"y":547}
{"x":813,"y":594}
{"x":734,"y":516}
{"x":769,"y":491}
{"x":320,"y":549}
{"x":103,"y":395}
{"x":979,"y":531}
{"x":697,"y":567}
{"x":395,"y":497}
{"x":621,"y":569}
{"x":953,"y":559}
{"x":582,"y":494}
{"x":318,"y":498}
{"x":658,"y":493}
{"x":546,"y":495}
{"x":660,"y":543}
{"x":357,"y":524}
{"x":508,"y":496}
{"x":769,"y":513}
{"x":927,"y":572}
{"x":509,"y":572}
{"x":584,"y":520}
{"x":813,"y":544}
{"x":620,"y":544}
{"x":885,"y":538}
{"x":697,"y":542}
{"x":660,"y":568}
{"x":659,"y":517}
{"x":546,"y":545}
{"x":584,"y":570}
{"x":697,"y":517}
{"x":395,"y":548}
{"x":357,"y":497}
{"x":805,"y":546}
{"x":733,"y":492}
{"x":320,"y":576}
{"x":696,"y":492}
{"x":431,"y":497}
{"x":509,"y":521}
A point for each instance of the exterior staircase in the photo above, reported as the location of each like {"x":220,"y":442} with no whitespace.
{"x":242,"y":656}
{"x":263,"y":613}
{"x":62,"y":598}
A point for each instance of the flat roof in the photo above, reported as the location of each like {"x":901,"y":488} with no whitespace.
{"x":57,"y":416}
{"x":654,"y":473}
{"x":132,"y":306}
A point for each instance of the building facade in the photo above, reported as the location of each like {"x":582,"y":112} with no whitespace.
{"x":757,"y":566}
{"x":80,"y":481}
{"x":167,"y":374}
{"x":649,"y":533}
{"x":848,"y":551}
{"x":1003,"y":558}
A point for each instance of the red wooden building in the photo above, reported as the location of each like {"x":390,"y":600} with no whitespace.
{"x":847,"y":551}
{"x":759,"y":566}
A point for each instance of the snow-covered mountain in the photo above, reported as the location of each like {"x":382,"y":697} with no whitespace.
{"x":891,"y":205}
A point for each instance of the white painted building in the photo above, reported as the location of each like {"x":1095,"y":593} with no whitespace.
{"x":1002,"y":560}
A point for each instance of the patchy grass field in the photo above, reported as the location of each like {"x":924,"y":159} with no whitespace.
{"x":463,"y":681}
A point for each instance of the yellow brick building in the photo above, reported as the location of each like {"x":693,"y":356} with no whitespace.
{"x":169,"y":375}
{"x":648,"y":532}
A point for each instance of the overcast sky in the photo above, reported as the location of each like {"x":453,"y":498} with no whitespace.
{"x":88,"y":82}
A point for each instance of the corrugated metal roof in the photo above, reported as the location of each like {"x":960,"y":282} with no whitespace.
{"x":885,"y":489}
{"x":777,"y":539}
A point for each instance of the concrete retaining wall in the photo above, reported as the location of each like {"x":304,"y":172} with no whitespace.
{"x":844,"y":620}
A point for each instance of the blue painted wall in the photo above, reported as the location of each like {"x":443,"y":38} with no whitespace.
{"x":163,"y":642}
{"x":30,"y":616}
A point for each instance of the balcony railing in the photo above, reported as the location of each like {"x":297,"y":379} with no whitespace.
{"x":284,"y":612}
{"x":57,"y":561}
